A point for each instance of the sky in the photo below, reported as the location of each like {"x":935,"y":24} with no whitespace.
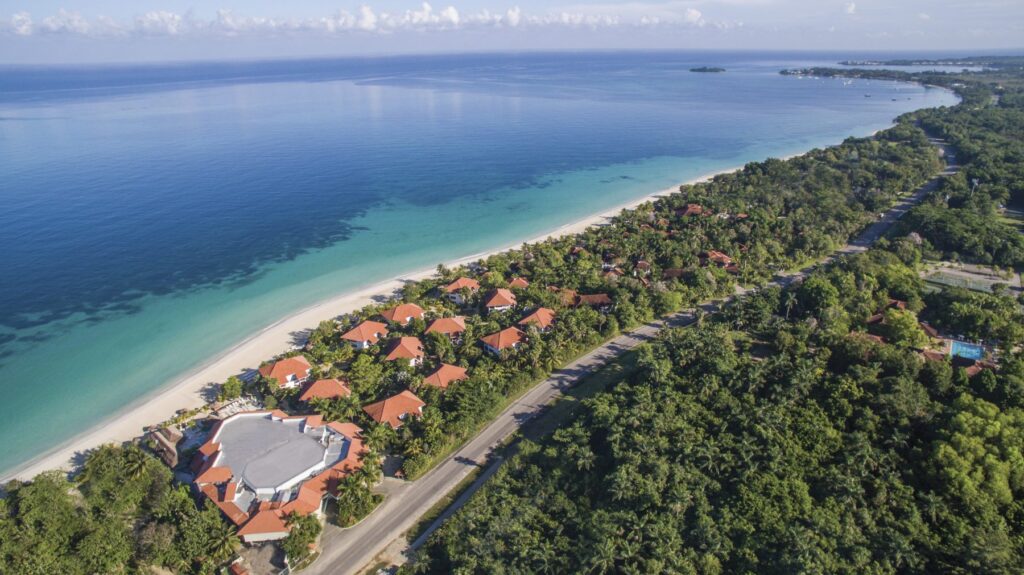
{"x":76,"y":31}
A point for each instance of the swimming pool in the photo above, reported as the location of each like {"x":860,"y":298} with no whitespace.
{"x":967,"y":350}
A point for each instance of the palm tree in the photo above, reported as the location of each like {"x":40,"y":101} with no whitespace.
{"x":134,"y":462}
{"x":790,"y":302}
{"x":222,"y":542}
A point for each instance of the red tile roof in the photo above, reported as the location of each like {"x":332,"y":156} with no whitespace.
{"x":326,"y":389}
{"x":929,"y":330}
{"x":392,"y":409}
{"x":370,"y":331}
{"x":690,"y":210}
{"x":264,"y":522}
{"x":237,"y":569}
{"x":499,"y":298}
{"x":462,"y":283}
{"x":405,"y":348}
{"x":542,"y":317}
{"x":519,"y":283}
{"x":717,"y":257}
{"x":567,"y":296}
{"x":215,"y":475}
{"x":444,"y":375}
{"x":933,"y":355}
{"x":401,"y":313}
{"x":296,"y":366}
{"x":447,"y":325}
{"x":504,"y":339}
{"x":595,"y":300}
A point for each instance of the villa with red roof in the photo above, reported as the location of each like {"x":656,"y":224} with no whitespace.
{"x":508,"y":338}
{"x":500,"y":299}
{"x":715,"y":257}
{"x":453,"y":327}
{"x":519,"y":283}
{"x":365,"y":334}
{"x":396,"y":409}
{"x":288,"y":372}
{"x":258,"y":467}
{"x":407,"y":348}
{"x":542,"y":317}
{"x":325,"y":389}
{"x":445,"y":375}
{"x":403,"y":313}
{"x":598,"y":301}
{"x":690,"y":210}
{"x":455,"y":289}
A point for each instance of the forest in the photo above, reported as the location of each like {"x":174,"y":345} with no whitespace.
{"x":772,"y":438}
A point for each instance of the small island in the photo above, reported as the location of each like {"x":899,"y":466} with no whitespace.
{"x":707,"y":69}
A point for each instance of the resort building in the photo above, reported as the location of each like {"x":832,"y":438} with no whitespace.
{"x":599,"y":301}
{"x":542,"y":317}
{"x":508,"y":338}
{"x":453,"y":327}
{"x":325,"y":389}
{"x":396,"y":409}
{"x":365,"y":334}
{"x":715,"y":257}
{"x":260,"y":466}
{"x":500,"y":299}
{"x":407,"y":348}
{"x":289,"y":372}
{"x":445,"y":375}
{"x":519,"y":283}
{"x":456,"y":289}
{"x":690,"y":210}
{"x":404,"y":313}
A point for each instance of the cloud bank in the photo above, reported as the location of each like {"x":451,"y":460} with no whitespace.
{"x":365,"y":19}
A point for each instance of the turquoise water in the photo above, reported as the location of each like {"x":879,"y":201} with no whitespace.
{"x":155,"y":217}
{"x":967,"y":350}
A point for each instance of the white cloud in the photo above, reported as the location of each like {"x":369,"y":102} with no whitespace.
{"x":21,"y":24}
{"x":65,"y":22}
{"x":923,"y":16}
{"x":850,"y":8}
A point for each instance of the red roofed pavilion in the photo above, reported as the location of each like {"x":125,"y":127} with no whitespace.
{"x":288,"y":372}
{"x":542,"y":317}
{"x":445,"y":375}
{"x":404,"y":313}
{"x":326,"y":389}
{"x":410,"y":348}
{"x":395,"y":409}
{"x":366,"y":334}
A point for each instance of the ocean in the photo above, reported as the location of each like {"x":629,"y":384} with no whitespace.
{"x":155,"y":216}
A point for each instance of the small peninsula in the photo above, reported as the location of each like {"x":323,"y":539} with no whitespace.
{"x":708,"y":70}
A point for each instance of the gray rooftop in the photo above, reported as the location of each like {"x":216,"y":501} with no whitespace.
{"x":266,"y":453}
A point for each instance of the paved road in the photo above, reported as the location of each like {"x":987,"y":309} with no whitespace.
{"x":350,"y":550}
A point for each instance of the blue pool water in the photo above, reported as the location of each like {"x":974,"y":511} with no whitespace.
{"x":155,"y":216}
{"x":967,"y":350}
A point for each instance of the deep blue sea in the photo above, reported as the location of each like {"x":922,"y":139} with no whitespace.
{"x":154,"y":216}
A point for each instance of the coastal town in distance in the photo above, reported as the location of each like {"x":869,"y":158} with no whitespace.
{"x":607,"y":288}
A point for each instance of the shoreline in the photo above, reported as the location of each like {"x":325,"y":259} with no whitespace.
{"x":186,"y":391}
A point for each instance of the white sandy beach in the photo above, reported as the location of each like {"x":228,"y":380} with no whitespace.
{"x":185,"y":392}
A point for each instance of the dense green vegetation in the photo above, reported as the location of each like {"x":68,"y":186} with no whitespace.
{"x":826,"y":452}
{"x":960,"y":221}
{"x":121,"y":514}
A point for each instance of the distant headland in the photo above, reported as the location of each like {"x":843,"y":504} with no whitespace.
{"x":707,"y":69}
